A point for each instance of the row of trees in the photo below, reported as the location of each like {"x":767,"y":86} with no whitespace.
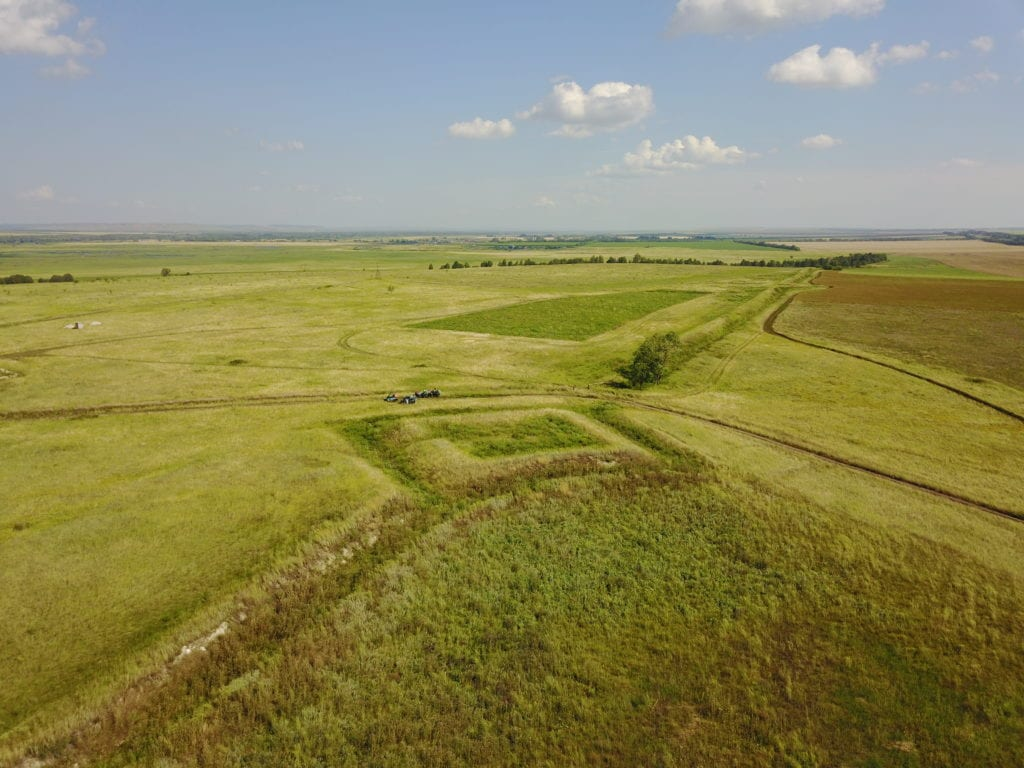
{"x":766,"y":244}
{"x":826,"y":262}
{"x":16,"y":279}
{"x":823,"y":262}
{"x":1004,"y":238}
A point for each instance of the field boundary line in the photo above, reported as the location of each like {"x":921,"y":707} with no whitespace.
{"x":820,"y":454}
{"x":769,"y":327}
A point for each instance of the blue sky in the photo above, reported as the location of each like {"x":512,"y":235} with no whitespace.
{"x":598,"y":115}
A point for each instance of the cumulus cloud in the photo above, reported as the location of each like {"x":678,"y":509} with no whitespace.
{"x":478,"y":128}
{"x":41,"y":194}
{"x":716,"y":17}
{"x":947,"y":55}
{"x":34,"y":27}
{"x":983,"y":44}
{"x":685,"y":154}
{"x":821,"y":141}
{"x":69,"y":70}
{"x":841,"y":67}
{"x":292,"y":145}
{"x":607,"y":106}
{"x":545,"y":202}
{"x":899,"y":54}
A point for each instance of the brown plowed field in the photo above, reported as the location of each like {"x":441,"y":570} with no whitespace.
{"x":988,"y":295}
{"x":972,"y":327}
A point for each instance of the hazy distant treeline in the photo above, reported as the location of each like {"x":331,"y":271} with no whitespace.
{"x":823,"y":262}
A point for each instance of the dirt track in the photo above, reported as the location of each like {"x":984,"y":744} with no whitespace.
{"x":832,"y":459}
{"x":769,"y":327}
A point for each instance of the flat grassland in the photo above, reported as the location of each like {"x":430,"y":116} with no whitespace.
{"x":219,"y":546}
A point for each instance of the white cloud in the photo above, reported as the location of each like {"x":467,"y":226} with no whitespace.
{"x":821,"y":141}
{"x":947,"y":55}
{"x":899,"y":54}
{"x":841,"y":67}
{"x":478,"y":128}
{"x":685,"y":154}
{"x":715,"y":17}
{"x":33,"y":27}
{"x":41,"y":194}
{"x":69,"y":70}
{"x":545,"y":202}
{"x":974,"y":82}
{"x":925,"y":88}
{"x":983,"y":44}
{"x":348,"y":198}
{"x":607,"y":106}
{"x":292,"y":145}
{"x":304,"y":189}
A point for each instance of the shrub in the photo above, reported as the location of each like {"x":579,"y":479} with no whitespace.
{"x":653,"y":360}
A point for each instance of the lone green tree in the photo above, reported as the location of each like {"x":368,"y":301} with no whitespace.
{"x":653,"y":360}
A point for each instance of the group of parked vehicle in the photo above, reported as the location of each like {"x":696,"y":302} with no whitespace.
{"x":410,"y":399}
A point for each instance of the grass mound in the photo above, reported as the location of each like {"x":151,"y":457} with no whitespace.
{"x":480,"y":452}
{"x":572,"y":318}
{"x":655,"y":615}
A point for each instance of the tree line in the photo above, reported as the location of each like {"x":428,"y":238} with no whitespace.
{"x":766,"y":244}
{"x":852,"y":260}
{"x":1004,"y":238}
{"x":16,"y":279}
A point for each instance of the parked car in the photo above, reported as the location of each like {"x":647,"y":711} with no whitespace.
{"x":392,"y":398}
{"x":408,"y":399}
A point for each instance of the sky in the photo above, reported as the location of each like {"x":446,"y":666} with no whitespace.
{"x":564,"y":115}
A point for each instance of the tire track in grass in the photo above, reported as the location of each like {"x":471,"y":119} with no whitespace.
{"x":769,"y":327}
{"x":306,"y":399}
{"x":1017,"y":517}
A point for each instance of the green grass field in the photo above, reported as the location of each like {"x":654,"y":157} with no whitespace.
{"x":573,"y":318}
{"x":534,"y":434}
{"x":780,"y":555}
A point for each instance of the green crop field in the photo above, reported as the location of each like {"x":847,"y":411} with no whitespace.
{"x":573,"y":318}
{"x":220,"y":546}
